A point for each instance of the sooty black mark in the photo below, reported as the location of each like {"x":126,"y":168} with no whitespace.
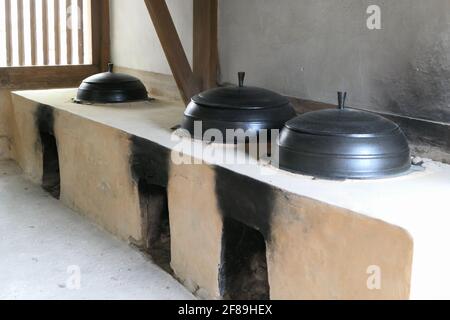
{"x":243,"y":272}
{"x":149,"y":164}
{"x":51,"y":178}
{"x":246,"y":206}
{"x":246,"y":200}
{"x":45,"y":119}
{"x":155,"y":223}
{"x":149,"y":161}
{"x":423,"y":132}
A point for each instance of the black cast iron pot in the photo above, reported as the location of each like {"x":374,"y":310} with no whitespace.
{"x":251,"y":109}
{"x":343,"y":144}
{"x":110,"y":87}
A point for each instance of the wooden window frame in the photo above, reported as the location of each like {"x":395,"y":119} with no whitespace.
{"x":41,"y":77}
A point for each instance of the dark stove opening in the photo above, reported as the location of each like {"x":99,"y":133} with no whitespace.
{"x":156,"y":224}
{"x":51,"y":179}
{"x":244,"y":270}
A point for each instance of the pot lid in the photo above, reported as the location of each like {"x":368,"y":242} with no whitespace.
{"x":343,"y":144}
{"x":110,"y":78}
{"x":240,"y":97}
{"x":342,"y":122}
{"x":111,"y":87}
{"x":250,"y":109}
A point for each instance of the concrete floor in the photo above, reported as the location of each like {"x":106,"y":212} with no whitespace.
{"x":44,"y":246}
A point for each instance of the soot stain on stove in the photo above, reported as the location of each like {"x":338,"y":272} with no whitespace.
{"x":149,"y":164}
{"x":45,"y":123}
{"x":149,"y":161}
{"x":245,"y":199}
{"x":247,"y":207}
{"x":45,"y":119}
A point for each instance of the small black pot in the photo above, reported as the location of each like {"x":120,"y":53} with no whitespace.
{"x":110,"y":87}
{"x":251,"y":109}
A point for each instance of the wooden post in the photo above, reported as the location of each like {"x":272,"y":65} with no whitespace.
{"x":100,"y":34}
{"x":187,"y":83}
{"x":206,"y":55}
{"x":8,"y":27}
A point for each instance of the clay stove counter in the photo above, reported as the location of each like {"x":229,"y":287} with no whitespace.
{"x":332,"y":221}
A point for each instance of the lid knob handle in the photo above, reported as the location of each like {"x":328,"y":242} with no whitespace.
{"x":241,"y":76}
{"x":342,"y":97}
{"x":110,"y":67}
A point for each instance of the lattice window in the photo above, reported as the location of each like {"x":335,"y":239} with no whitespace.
{"x":45,"y":33}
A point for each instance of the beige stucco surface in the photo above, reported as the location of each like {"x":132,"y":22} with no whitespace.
{"x":25,"y":138}
{"x":318,"y":251}
{"x":94,"y":167}
{"x":95,"y":175}
{"x":196,"y":228}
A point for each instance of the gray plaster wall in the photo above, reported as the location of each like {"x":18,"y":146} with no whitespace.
{"x":313,"y":48}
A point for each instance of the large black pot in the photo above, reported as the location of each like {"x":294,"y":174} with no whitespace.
{"x":343,"y":144}
{"x":251,"y":109}
{"x":110,"y":87}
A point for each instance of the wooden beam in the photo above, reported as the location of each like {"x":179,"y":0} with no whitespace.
{"x":101,"y":54}
{"x":165,"y":28}
{"x":206,"y":55}
{"x":105,"y":52}
{"x":23,"y":78}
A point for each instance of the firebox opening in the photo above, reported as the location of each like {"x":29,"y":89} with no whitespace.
{"x":156,"y":225}
{"x":244,"y":270}
{"x":51,"y":180}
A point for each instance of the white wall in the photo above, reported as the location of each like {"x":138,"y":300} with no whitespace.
{"x":134,"y":43}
